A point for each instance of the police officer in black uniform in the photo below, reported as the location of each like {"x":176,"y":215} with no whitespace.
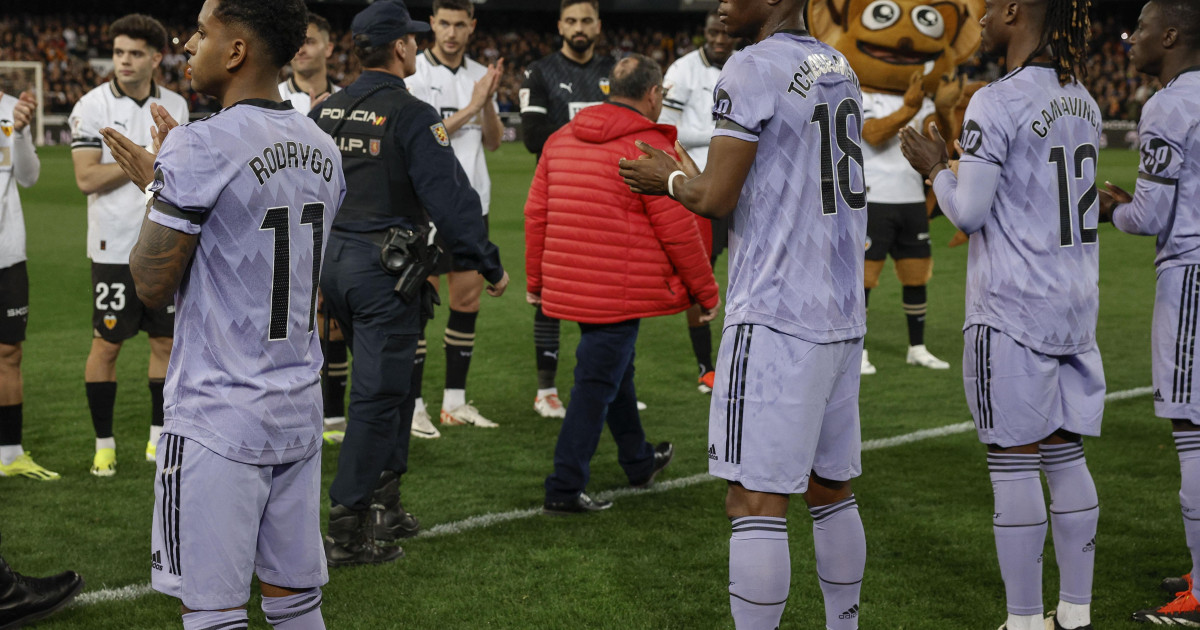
{"x":400,"y":172}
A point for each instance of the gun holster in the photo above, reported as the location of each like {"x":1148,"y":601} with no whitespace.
{"x":412,"y":256}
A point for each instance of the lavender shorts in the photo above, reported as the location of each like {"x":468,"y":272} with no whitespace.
{"x":1020,"y":396}
{"x":217,"y":522}
{"x":782,"y":409}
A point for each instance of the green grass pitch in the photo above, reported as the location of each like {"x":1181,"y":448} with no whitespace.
{"x":657,"y":559}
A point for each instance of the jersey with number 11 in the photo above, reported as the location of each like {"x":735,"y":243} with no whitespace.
{"x":260,"y":184}
{"x":1033,"y":269}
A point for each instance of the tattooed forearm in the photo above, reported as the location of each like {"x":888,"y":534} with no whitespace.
{"x":158,"y":262}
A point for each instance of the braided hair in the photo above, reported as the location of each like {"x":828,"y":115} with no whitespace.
{"x":1066,"y":28}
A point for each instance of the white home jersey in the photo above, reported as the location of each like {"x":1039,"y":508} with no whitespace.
{"x":890,"y":179}
{"x":300,"y":99}
{"x":115,"y":217}
{"x":688,"y":103}
{"x":19,"y":166}
{"x":449,"y":90}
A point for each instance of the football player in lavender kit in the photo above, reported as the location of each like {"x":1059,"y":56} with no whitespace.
{"x":1166,"y":204}
{"x":1026,"y":193}
{"x":234,"y":235}
{"x":784,"y":416}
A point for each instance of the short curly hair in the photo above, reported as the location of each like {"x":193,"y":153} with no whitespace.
{"x":279,"y":24}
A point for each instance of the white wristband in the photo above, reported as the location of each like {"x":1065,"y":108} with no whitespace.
{"x":671,"y":183}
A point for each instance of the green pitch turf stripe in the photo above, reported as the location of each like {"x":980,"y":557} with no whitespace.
{"x":135,"y":591}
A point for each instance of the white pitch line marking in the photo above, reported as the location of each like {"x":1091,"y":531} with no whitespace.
{"x":135,"y":591}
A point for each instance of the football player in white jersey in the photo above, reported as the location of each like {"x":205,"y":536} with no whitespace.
{"x":310,"y":84}
{"x":115,"y":209}
{"x":464,"y":93}
{"x":688,"y":105}
{"x":310,"y":72}
{"x":19,"y":166}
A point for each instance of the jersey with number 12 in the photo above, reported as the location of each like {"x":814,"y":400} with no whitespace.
{"x":260,"y":184}
{"x":1033,"y":269}
{"x":799,"y":230}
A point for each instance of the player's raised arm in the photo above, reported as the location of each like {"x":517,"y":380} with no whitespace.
{"x":536,"y":125}
{"x":713,"y":193}
{"x":159,"y":259}
{"x":26,"y":166}
{"x":965,"y":198}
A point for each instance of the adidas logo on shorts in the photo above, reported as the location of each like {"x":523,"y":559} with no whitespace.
{"x":712,"y":451}
{"x":156,"y":561}
{"x":1158,"y":396}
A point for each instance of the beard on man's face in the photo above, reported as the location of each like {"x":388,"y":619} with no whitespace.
{"x":580,"y":43}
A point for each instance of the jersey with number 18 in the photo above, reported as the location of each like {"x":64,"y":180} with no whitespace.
{"x":800,"y":227}
{"x":260,"y":184}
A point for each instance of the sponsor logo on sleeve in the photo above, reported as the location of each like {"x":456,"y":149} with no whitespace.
{"x":972,"y":137}
{"x":723,"y":105}
{"x":1156,"y":156}
{"x":523,"y":97}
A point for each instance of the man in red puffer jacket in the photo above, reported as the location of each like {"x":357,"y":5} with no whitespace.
{"x":597,"y":254}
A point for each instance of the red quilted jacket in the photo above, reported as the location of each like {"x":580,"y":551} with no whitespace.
{"x":596,"y":252}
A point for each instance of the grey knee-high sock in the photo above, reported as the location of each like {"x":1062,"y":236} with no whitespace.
{"x":235,"y":619}
{"x":760,"y":572}
{"x":1074,"y":514}
{"x":1187,"y":443}
{"x":301,"y":611}
{"x":841,"y":549}
{"x":1019,"y":525}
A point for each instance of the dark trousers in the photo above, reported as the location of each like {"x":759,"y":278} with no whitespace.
{"x":381,"y":331}
{"x":603,"y":393}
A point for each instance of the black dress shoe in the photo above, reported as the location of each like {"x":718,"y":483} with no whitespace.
{"x":579,"y":505}
{"x":25,"y":599}
{"x":662,"y":456}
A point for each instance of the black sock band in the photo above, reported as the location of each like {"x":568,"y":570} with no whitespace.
{"x":459,"y":344}
{"x":545,"y":341}
{"x":702,"y":346}
{"x":914,"y":311}
{"x":333,"y":384}
{"x":156,"y":401}
{"x":10,"y":425}
{"x":102,"y":397}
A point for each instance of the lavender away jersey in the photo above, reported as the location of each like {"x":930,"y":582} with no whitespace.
{"x":260,"y":183}
{"x":1168,"y":188}
{"x":1033,"y":268}
{"x":799,"y":230}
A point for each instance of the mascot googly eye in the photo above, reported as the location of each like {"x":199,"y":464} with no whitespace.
{"x":886,"y":41}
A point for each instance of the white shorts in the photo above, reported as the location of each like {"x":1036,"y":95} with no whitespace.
{"x":1173,"y":336}
{"x":217,"y":522}
{"x":1020,"y":396}
{"x":782,"y":409}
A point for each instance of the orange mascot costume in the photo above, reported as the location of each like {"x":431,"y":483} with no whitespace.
{"x":906,"y":54}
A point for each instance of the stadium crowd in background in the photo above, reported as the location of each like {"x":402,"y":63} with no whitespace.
{"x":66,"y":43}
